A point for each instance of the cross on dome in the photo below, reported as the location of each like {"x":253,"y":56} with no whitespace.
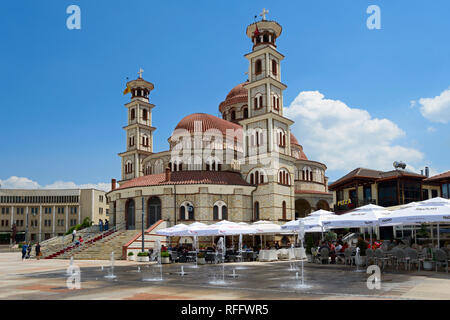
{"x":263,"y":13}
{"x":140,"y":73}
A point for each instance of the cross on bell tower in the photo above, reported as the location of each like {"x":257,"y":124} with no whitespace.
{"x":263,"y":13}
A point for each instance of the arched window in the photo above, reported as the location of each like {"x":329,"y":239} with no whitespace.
{"x":258,"y":66}
{"x":307,"y":174}
{"x":128,"y":167}
{"x":233,"y":115}
{"x":220,"y":211}
{"x":245,"y":113}
{"x":133,"y":114}
{"x":256,"y":211}
{"x":131,"y":141}
{"x":283,"y":177}
{"x":284,"y":210}
{"x":281,"y":138}
{"x":144,"y":114}
{"x":258,"y":101}
{"x":274,"y":67}
{"x":256,"y":176}
{"x":187,"y":211}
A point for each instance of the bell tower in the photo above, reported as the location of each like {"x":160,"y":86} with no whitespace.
{"x":265,"y":89}
{"x":139,"y":130}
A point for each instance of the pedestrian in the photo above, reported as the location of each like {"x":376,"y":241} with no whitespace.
{"x":38,"y":251}
{"x":24,"y":251}
{"x":74,"y":234}
{"x":28,"y":251}
{"x":100,"y":224}
{"x":106,"y":224}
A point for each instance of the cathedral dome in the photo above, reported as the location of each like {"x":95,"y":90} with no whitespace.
{"x":236,"y":95}
{"x":294,"y":143}
{"x":207,"y":122}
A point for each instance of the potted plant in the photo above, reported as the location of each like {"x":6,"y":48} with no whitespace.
{"x":142,"y":257}
{"x":362,"y":245}
{"x":165,"y":257}
{"x":428,"y":260}
{"x":131,"y":256}
{"x":201,"y":258}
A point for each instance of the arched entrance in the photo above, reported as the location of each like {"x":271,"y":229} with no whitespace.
{"x":153,"y":211}
{"x":302,"y":208}
{"x":322,"y":204}
{"x":130,"y":217}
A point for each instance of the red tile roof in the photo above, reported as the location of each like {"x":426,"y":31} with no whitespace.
{"x":187,"y":177}
{"x":445,"y":175}
{"x":236,"y":95}
{"x":373,"y":175}
{"x":207,"y":121}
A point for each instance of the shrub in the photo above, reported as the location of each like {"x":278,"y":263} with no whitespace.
{"x":131,"y":253}
{"x":201,"y":255}
{"x":142,"y":254}
{"x":20,"y":246}
{"x":309,"y":244}
{"x":362,"y":245}
{"x":165,"y":254}
{"x":331,"y":236}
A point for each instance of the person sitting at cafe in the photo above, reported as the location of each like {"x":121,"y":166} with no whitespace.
{"x":277,"y":245}
{"x":332,"y":252}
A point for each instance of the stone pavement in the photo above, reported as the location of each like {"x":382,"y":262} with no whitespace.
{"x":46,"y":279}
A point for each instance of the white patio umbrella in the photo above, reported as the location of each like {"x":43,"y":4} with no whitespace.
{"x":170,"y":231}
{"x":362,"y":217}
{"x":435,"y":210}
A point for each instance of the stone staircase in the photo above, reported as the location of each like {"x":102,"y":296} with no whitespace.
{"x":101,"y":249}
{"x":52,"y":245}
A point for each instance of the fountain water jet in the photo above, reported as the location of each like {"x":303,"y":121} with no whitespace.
{"x":157,"y":252}
{"x":111,"y":270}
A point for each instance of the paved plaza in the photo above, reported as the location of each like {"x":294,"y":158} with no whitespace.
{"x":46,"y":279}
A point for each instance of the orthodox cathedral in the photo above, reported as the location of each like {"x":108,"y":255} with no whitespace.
{"x":245,"y":166}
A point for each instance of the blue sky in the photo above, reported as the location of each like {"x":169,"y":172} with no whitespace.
{"x":62,"y":107}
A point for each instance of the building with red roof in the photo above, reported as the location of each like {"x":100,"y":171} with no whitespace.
{"x":245,"y":166}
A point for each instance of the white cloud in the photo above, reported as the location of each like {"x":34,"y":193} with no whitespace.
{"x":19,"y":183}
{"x":345,"y":138}
{"x":25,"y":183}
{"x":436,"y":109}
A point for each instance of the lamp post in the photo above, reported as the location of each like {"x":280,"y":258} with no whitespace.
{"x":142,"y":224}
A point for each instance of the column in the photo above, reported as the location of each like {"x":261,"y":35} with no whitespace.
{"x":267,"y":65}
{"x":27,"y":236}
{"x":11,"y":224}
{"x":54,"y":220}
{"x":268,"y":102}
{"x":270,"y":134}
{"x":40,"y":223}
{"x":67,"y":217}
{"x":79,"y":213}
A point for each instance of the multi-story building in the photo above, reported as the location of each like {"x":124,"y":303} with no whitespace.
{"x":40,"y":214}
{"x":441,"y":184}
{"x":384,"y":188}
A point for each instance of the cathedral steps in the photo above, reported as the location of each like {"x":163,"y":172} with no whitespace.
{"x":101,"y":250}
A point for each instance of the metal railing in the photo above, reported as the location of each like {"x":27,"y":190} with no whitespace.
{"x":86,"y":242}
{"x":88,"y":235}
